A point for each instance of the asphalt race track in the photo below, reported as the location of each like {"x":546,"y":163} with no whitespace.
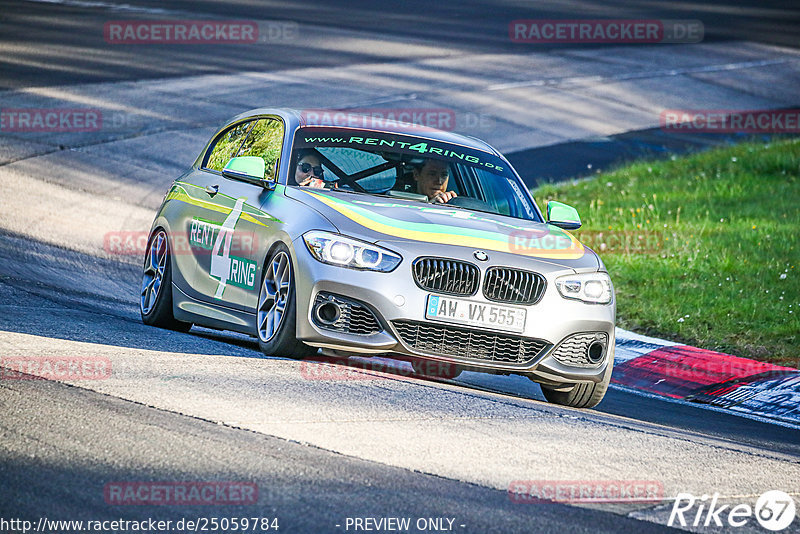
{"x":370,"y":440}
{"x":57,"y":40}
{"x":205,"y":406}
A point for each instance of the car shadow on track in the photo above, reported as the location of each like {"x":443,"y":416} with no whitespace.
{"x":55,"y":293}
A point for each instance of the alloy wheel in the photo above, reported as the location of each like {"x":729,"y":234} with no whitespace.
{"x":274,"y":296}
{"x":154,"y":267}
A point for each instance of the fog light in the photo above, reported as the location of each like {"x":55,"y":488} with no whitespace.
{"x":328,"y":313}
{"x":595,"y":352}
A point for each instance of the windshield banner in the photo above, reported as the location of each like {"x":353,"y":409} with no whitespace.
{"x":402,"y":144}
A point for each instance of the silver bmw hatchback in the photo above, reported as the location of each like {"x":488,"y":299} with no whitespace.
{"x":373,"y":237}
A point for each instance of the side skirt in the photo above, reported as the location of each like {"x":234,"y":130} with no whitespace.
{"x":186,"y":308}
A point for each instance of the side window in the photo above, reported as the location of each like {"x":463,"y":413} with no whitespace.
{"x":226,"y":145}
{"x":265,"y":140}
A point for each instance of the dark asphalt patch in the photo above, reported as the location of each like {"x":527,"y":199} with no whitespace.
{"x":586,"y":157}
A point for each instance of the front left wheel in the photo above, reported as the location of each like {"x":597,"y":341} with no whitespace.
{"x":276,"y":320}
{"x":581,"y":395}
{"x":155,"y":302}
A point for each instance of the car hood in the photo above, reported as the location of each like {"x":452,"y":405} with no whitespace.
{"x":373,"y":219}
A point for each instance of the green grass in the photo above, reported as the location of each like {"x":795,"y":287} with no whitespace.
{"x":703,"y":249}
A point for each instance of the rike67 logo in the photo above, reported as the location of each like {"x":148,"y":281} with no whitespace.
{"x":774,"y":510}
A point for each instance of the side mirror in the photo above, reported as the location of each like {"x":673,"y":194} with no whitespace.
{"x":247,"y":168}
{"x":563,"y":215}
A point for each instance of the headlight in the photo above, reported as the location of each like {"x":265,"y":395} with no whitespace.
{"x":594,"y":288}
{"x":347,"y":252}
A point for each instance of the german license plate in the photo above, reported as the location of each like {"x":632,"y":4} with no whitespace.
{"x":472,"y":313}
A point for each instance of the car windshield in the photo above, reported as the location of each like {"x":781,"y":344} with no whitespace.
{"x":402,"y":166}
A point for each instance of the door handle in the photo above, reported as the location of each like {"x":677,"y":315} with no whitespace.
{"x":212,"y":190}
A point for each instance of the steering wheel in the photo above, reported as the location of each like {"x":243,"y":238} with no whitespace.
{"x":352,"y":183}
{"x":469,"y":203}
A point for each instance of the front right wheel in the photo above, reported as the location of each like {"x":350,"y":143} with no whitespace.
{"x":276,"y":314}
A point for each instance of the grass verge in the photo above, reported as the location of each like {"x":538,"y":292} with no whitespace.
{"x":702,"y":249}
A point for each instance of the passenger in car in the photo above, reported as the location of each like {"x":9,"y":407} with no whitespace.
{"x":432,"y":177}
{"x":308,"y":171}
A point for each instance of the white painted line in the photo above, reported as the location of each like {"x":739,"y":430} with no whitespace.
{"x":583,"y":80}
{"x":104,"y":5}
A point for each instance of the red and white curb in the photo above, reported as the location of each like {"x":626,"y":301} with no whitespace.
{"x":643,"y":365}
{"x":668,"y":369}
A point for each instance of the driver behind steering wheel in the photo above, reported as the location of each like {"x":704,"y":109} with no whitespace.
{"x":432,"y":177}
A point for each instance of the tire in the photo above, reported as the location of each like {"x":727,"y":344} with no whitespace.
{"x":155,"y":299}
{"x":276,"y":314}
{"x":581,"y":395}
{"x":436,"y":369}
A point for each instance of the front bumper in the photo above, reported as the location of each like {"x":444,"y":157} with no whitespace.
{"x":397,"y":302}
